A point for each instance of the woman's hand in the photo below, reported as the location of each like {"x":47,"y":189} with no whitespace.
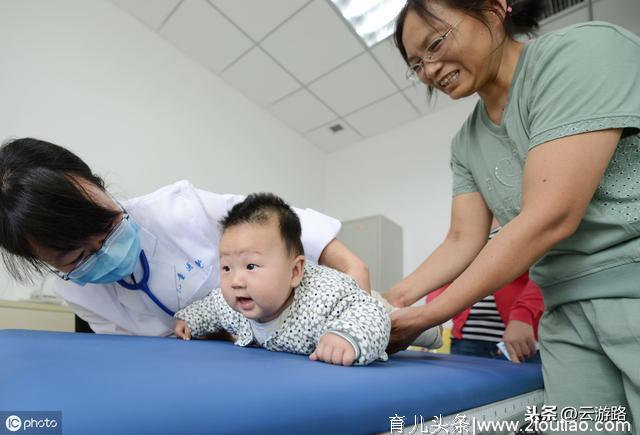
{"x":406,"y":325}
{"x":520,"y":341}
{"x":394,"y":297}
{"x":182,"y":330}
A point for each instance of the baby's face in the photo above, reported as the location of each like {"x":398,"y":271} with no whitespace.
{"x":256,"y":270}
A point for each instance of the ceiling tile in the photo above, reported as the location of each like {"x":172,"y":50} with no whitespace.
{"x":258,"y":77}
{"x":329,"y":141}
{"x":383,"y":115}
{"x":389,"y":56}
{"x":258,"y":18}
{"x":152,"y":13}
{"x":313,"y":42}
{"x":354,"y":85}
{"x":203,"y":33}
{"x":302,"y":111}
{"x":418,"y":95}
{"x":439,"y":101}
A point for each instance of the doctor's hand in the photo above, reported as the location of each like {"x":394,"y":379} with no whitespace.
{"x":334,"y":349}
{"x":404,"y":329}
{"x":182,"y":330}
{"x":519,"y":340}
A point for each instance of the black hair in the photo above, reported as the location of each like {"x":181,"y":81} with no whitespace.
{"x":523,"y":18}
{"x":41,"y":200}
{"x":259,"y":208}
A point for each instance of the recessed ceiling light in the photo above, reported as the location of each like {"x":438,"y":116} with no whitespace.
{"x":336,"y":128}
{"x":373,"y":20}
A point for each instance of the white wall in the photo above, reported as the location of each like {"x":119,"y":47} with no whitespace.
{"x":86,"y":75}
{"x":404,"y":174}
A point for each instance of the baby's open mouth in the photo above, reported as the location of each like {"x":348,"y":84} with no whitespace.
{"x":244,"y":302}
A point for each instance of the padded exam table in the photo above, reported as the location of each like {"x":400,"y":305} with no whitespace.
{"x":115,"y":385}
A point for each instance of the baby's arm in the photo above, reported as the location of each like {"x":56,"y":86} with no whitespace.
{"x":200,"y":318}
{"x":361,"y":321}
{"x":334,"y":349}
{"x":182,"y":330}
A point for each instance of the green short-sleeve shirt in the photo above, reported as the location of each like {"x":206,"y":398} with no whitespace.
{"x":579,"y":79}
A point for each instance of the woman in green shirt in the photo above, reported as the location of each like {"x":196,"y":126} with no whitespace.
{"x":552,"y":150}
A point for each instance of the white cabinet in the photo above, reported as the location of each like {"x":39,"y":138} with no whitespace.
{"x":39,"y":316}
{"x":378,"y":242}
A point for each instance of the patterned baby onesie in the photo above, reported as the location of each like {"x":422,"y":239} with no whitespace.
{"x":325,"y":301}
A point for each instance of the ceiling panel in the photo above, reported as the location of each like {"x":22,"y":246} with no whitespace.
{"x":298,"y":59}
{"x":203,"y":33}
{"x":313,"y":42}
{"x":150,"y":13}
{"x":354,"y":85}
{"x":389,"y":56}
{"x":383,"y":115}
{"x":302,"y":111}
{"x":258,"y":77}
{"x":418,"y":95}
{"x":258,"y":18}
{"x":329,"y":141}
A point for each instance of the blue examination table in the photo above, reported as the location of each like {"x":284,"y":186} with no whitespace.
{"x":116,"y":385}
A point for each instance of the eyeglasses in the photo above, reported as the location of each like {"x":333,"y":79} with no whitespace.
{"x":434,"y":52}
{"x":110,"y":235}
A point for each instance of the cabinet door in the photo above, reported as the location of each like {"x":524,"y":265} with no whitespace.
{"x":378,"y":242}
{"x":13,"y":317}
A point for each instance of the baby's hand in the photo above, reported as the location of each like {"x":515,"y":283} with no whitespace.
{"x":334,"y":349}
{"x":182,"y":330}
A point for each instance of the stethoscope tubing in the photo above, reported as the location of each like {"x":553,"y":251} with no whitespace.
{"x":144,"y":284}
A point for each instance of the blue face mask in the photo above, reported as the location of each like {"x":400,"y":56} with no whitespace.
{"x":116,"y":259}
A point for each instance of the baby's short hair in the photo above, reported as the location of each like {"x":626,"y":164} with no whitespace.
{"x":258,"y":208}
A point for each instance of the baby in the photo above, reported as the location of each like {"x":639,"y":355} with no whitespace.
{"x":271,"y":297}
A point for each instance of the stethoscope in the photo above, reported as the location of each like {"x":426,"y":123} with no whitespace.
{"x":143,"y":284}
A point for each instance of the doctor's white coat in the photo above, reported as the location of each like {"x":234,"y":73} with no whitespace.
{"x":179,"y":234}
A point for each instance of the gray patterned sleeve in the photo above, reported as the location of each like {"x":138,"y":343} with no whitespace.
{"x":363,"y":321}
{"x":204,"y":316}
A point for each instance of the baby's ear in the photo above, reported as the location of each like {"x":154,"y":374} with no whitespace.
{"x":298,"y":271}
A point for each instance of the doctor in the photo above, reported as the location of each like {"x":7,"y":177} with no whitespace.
{"x":125,"y":268}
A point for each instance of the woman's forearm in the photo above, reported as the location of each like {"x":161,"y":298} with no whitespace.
{"x":509,"y":254}
{"x":443,"y":266}
{"x":470,"y":223}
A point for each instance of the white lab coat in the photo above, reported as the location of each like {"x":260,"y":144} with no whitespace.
{"x":179,"y":234}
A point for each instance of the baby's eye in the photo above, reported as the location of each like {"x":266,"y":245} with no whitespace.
{"x":226,"y":268}
{"x":251,"y":266}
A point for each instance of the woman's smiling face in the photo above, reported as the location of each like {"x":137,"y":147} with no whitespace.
{"x":464,"y":61}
